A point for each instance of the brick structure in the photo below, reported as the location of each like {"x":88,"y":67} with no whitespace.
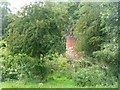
{"x":70,"y":44}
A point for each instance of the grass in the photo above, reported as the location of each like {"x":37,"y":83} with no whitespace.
{"x":36,"y":84}
{"x":50,"y":84}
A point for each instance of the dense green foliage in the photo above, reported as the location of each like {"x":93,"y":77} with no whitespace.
{"x":95,"y":75}
{"x":109,"y":49}
{"x":43,"y":27}
{"x":34,"y":45}
{"x":98,"y":34}
{"x":22,"y":66}
{"x":88,"y":28}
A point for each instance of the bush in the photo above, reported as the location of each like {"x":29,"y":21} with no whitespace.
{"x":105,"y":55}
{"x":93,"y":76}
{"x":60,"y":68}
{"x":108,"y":56}
{"x":57,"y":67}
{"x":20,"y":66}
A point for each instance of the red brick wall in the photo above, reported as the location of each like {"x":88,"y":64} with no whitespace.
{"x":70,"y":44}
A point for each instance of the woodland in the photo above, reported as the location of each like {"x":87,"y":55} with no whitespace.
{"x":33,"y":45}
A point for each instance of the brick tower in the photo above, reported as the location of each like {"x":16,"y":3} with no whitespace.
{"x":70,"y":44}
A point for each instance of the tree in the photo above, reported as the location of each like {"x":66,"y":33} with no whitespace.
{"x":4,"y":7}
{"x":73,"y":13}
{"x":88,"y":28}
{"x":36,"y":30}
{"x":109,"y":23}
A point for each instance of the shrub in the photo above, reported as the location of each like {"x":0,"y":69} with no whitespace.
{"x":20,"y":66}
{"x":93,"y":76}
{"x":105,"y":55}
{"x":60,"y":68}
{"x":57,"y":67}
{"x":108,"y":56}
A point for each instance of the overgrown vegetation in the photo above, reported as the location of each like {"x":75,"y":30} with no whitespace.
{"x":33,"y":47}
